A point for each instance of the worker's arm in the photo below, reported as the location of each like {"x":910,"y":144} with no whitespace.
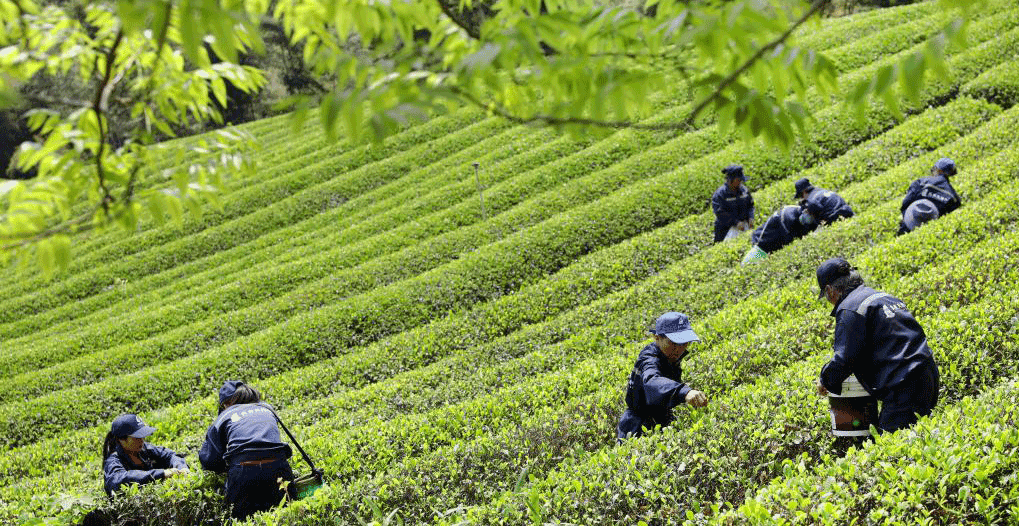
{"x":912,"y":193}
{"x":213,"y":449}
{"x":660,"y":390}
{"x":169,"y":457}
{"x":850,"y":331}
{"x":116,"y":475}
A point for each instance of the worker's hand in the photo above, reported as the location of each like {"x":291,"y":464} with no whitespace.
{"x":173,"y":472}
{"x":820,"y":389}
{"x":696,"y":398}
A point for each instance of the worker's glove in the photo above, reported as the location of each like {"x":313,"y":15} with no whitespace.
{"x":696,"y":398}
{"x":821,"y":389}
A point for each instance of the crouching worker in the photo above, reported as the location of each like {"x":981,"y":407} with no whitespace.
{"x":656,"y":384}
{"x":823,"y":206}
{"x":878,"y":340}
{"x":930,"y":197}
{"x":128,"y":459}
{"x":244,"y":442}
{"x":782,"y":228}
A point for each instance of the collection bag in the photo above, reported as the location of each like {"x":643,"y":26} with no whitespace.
{"x":302,"y":486}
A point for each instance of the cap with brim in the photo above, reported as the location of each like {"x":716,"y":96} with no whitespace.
{"x":676,"y":327}
{"x":801,"y":185}
{"x":228,"y":390}
{"x":130,"y":425}
{"x":831,"y":270}
{"x":918,"y":213}
{"x":681,"y":337}
{"x":734,"y":171}
{"x":945,"y":166}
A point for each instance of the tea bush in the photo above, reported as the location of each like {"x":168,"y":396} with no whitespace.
{"x":493,"y":395}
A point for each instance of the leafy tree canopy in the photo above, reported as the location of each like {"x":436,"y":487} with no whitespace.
{"x":576,"y":64}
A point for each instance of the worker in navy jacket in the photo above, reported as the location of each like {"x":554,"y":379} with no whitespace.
{"x":824,"y":206}
{"x":244,"y":442}
{"x":129,"y":459}
{"x":784,"y":226}
{"x":656,"y":384}
{"x":732,"y":203}
{"x":929,"y":197}
{"x":878,"y":340}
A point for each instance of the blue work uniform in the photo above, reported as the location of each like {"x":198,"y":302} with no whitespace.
{"x":780,"y":229}
{"x":120,"y":469}
{"x":878,"y":340}
{"x":244,"y":442}
{"x":937,"y":190}
{"x":731,"y":208}
{"x":654,"y":388}
{"x":827,"y":206}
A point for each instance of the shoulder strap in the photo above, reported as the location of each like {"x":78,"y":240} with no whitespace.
{"x":291,"y":435}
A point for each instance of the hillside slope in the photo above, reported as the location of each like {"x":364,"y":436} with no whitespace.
{"x":452,"y":363}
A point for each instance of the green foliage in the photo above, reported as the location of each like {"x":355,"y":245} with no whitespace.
{"x":133,"y":54}
{"x":962,"y":458}
{"x":999,"y":84}
{"x":565,"y":64}
{"x":451,"y":366}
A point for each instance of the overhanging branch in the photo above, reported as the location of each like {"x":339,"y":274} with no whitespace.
{"x":817,"y":6}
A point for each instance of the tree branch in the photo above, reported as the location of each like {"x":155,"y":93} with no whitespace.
{"x":558,"y":121}
{"x":46,"y":100}
{"x":99,"y":107}
{"x":817,"y":6}
{"x":686,"y":125}
{"x":448,"y":10}
{"x":52,"y":231}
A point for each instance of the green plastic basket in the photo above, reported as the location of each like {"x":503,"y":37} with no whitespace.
{"x":306,"y":485}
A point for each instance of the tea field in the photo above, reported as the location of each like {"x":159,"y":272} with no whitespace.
{"x":451,"y":354}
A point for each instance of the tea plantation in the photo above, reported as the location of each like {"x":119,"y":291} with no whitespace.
{"x":451,"y":357}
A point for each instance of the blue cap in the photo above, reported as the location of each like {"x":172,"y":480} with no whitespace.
{"x":945,"y":166}
{"x":801,"y":185}
{"x":734,"y":171}
{"x":130,"y":425}
{"x":831,"y":270}
{"x":676,"y":327}
{"x":228,"y":390}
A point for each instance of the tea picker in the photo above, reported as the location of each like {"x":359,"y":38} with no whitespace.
{"x":879,"y":342}
{"x":783,"y":227}
{"x":732,"y":204}
{"x":929,"y":198}
{"x":244,"y":442}
{"x":129,"y":459}
{"x":823,"y":206}
{"x":655,"y":385}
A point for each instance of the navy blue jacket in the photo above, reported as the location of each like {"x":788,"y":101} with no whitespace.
{"x":732,"y":207}
{"x":780,"y":229}
{"x":655,"y":387}
{"x":934,"y":188}
{"x":827,"y":205}
{"x":878,"y":340}
{"x":242,"y":432}
{"x":119,"y":469}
